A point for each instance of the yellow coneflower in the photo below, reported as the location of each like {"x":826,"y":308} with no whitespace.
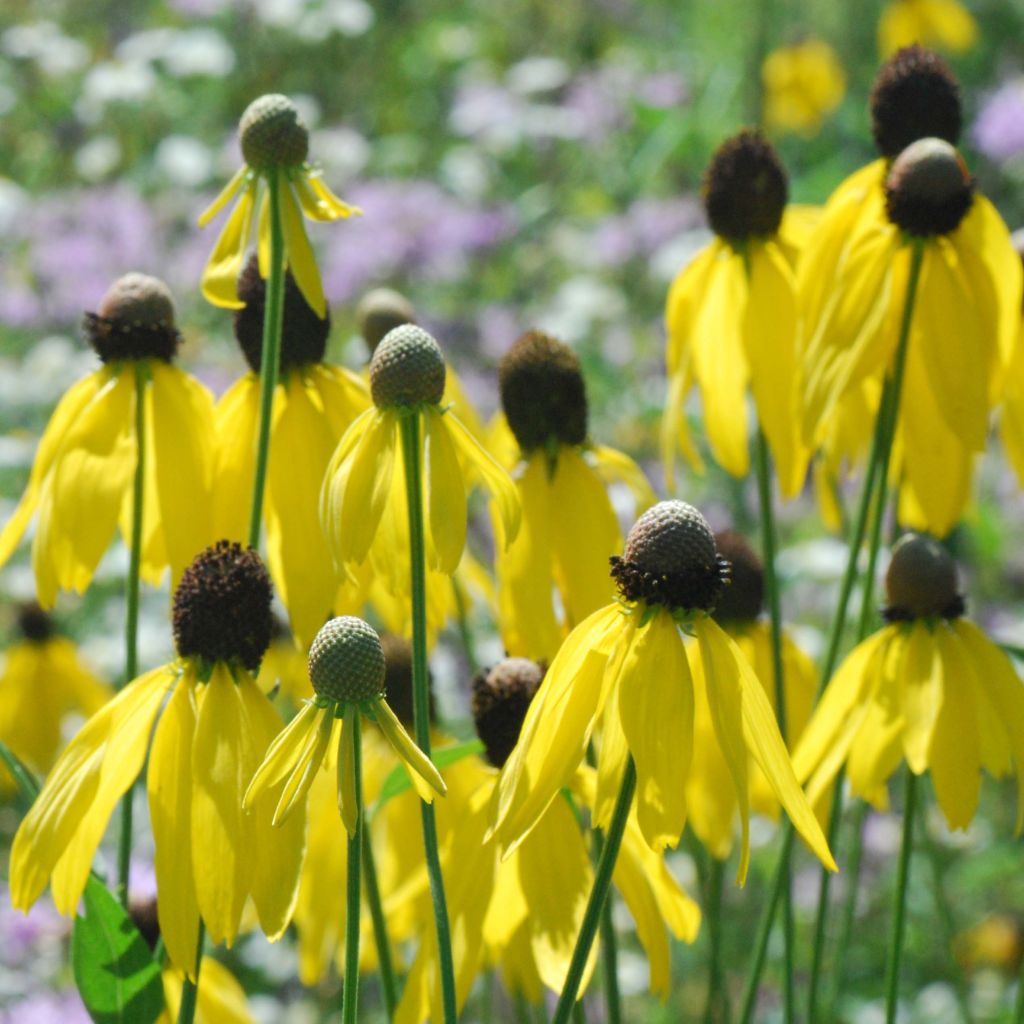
{"x":82,"y":475}
{"x":274,"y":142}
{"x":803,"y":82}
{"x":211,"y":857}
{"x":569,"y":527}
{"x":946,"y":24}
{"x":41,"y":681}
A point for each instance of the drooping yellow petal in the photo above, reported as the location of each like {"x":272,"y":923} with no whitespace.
{"x":617,"y":467}
{"x":221,"y":845}
{"x":682,"y":306}
{"x":922,"y":687}
{"x":235,"y":418}
{"x":656,"y":710}
{"x":494,"y":478}
{"x":263,"y":235}
{"x":169,"y":790}
{"x":424,"y":776}
{"x":330,"y":206}
{"x":347,"y":770}
{"x":228,"y":193}
{"x":613,"y":748}
{"x":220,"y":276}
{"x":877,"y":747}
{"x":283,"y":753}
{"x":674,"y":434}
{"x":953,"y":752}
{"x":557,"y":726}
{"x":446,"y":494}
{"x":344,"y":394}
{"x":301,"y":260}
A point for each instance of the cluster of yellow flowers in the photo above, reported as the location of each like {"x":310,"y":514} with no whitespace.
{"x":641,"y":699}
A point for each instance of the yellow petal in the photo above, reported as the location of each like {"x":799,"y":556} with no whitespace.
{"x":613,"y":748}
{"x":422,"y":768}
{"x":344,"y":395}
{"x":877,"y":748}
{"x":617,"y":467}
{"x":235,"y":418}
{"x":226,"y":195}
{"x":284,"y":751}
{"x":446,"y":494}
{"x":263,"y":235}
{"x":220,"y":275}
{"x":169,"y":789}
{"x":347,"y":771}
{"x":301,"y":260}
{"x":656,"y":709}
{"x":330,"y":206}
{"x":922,"y":686}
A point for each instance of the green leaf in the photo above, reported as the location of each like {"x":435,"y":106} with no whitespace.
{"x":28,"y":788}
{"x":117,"y":977}
{"x":398,"y":781}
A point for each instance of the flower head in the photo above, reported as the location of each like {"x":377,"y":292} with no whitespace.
{"x":731,"y":317}
{"x":212,"y":731}
{"x":625,"y":670}
{"x":928,"y":688}
{"x":346,"y":668}
{"x":82,"y":476}
{"x":944,"y":23}
{"x":275,"y":145}
{"x":803,"y":82}
{"x":379,"y":312}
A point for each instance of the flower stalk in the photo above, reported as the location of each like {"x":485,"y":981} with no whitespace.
{"x":350,"y":993}
{"x":389,"y":988}
{"x":892,"y":970}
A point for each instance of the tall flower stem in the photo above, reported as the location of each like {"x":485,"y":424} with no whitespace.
{"x":388,"y":985}
{"x":892,"y":969}
{"x":716,"y":1009}
{"x":350,"y":993}
{"x":609,"y":949}
{"x":190,"y":989}
{"x":768,"y":545}
{"x":270,"y":354}
{"x":598,"y":895}
{"x":131,"y":627}
{"x":849,"y":910}
{"x":412,"y":459}
{"x":877,"y":473}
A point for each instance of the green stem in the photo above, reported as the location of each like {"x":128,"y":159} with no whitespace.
{"x":579,"y":1015}
{"x":412,"y":457}
{"x":465,"y":632}
{"x":270,"y":354}
{"x":131,"y":629}
{"x":892,"y":970}
{"x":1018,"y":1010}
{"x":849,"y":910}
{"x":350,"y":993}
{"x":716,"y":1010}
{"x":388,"y":984}
{"x":598,"y":895}
{"x":190,"y":989}
{"x":609,"y":949}
{"x":768,"y":544}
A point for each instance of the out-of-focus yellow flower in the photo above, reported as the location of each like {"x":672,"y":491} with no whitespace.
{"x":274,"y":142}
{"x":803,"y":83}
{"x":569,"y":527}
{"x":946,"y":24}
{"x":929,"y":688}
{"x":81,"y":479}
{"x":732,"y":320}
{"x":41,"y":681}
{"x":220,"y":999}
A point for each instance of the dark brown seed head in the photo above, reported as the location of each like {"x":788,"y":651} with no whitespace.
{"x":671,"y":559}
{"x":501,"y":696}
{"x":921,"y":582}
{"x":928,"y":190}
{"x":745,"y":188}
{"x":346,"y":662}
{"x":143,"y":913}
{"x":380,"y":311}
{"x":35,"y":624}
{"x":222,"y":607}
{"x":303,"y":333}
{"x":272,"y":134}
{"x":135,"y":320}
{"x":915,"y":96}
{"x":407,"y":369}
{"x":743,"y":599}
{"x":542,"y":392}
{"x":398,"y":679}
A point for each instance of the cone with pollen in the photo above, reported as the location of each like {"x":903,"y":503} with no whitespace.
{"x":928,"y":688}
{"x":83,"y":474}
{"x":346,"y":667}
{"x":569,"y":524}
{"x":626,"y":670}
{"x":212,"y":727}
{"x":731,"y":317}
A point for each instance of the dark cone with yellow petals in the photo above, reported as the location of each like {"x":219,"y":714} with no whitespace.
{"x":346,"y":662}
{"x":381,"y":311}
{"x":222,"y":607}
{"x":407,"y":369}
{"x":501,"y":697}
{"x":745,"y":188}
{"x":671,"y":559}
{"x":135,"y":320}
{"x":743,"y":599}
{"x":921,"y":582}
{"x":928,"y":190}
{"x":272,"y":134}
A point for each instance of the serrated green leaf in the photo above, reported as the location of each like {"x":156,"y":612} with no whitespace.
{"x":398,"y":781}
{"x":114,"y":969}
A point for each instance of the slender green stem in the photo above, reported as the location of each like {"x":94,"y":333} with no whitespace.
{"x":388,"y":985}
{"x":412,"y":459}
{"x":190,"y":989}
{"x":716,"y":1011}
{"x":598,"y":895}
{"x":768,"y":545}
{"x":465,"y":632}
{"x":579,"y":1015}
{"x":1018,"y":1009}
{"x":609,"y":949}
{"x":270,"y":354}
{"x":892,"y":970}
{"x":849,"y":911}
{"x":350,"y":993}
{"x":131,"y":627}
